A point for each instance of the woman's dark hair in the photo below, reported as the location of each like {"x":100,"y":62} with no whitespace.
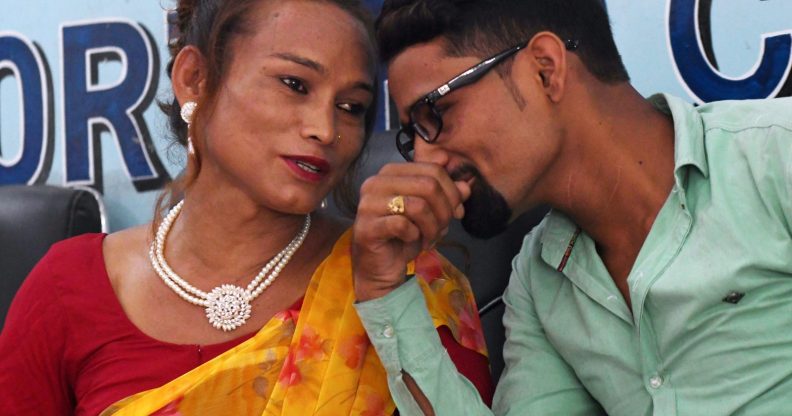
{"x":485,"y":27}
{"x":209,"y":25}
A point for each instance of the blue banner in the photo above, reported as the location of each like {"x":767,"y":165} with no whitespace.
{"x":79,"y":82}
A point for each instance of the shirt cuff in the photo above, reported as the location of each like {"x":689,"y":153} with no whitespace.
{"x":401,"y":315}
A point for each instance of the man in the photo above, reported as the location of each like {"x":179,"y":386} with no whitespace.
{"x":661,"y":281}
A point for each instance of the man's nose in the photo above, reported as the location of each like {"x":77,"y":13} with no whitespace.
{"x":430,"y":153}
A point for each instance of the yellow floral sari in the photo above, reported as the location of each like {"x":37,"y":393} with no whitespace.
{"x":319,"y":364}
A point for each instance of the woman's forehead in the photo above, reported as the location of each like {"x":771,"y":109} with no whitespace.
{"x":318,"y":30}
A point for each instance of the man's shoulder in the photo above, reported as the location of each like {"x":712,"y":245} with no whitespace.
{"x":756,"y":134}
{"x":745,"y":115}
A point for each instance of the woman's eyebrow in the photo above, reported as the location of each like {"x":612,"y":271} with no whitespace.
{"x":301,"y":60}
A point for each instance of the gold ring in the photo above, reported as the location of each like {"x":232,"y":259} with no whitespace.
{"x":396,"y":205}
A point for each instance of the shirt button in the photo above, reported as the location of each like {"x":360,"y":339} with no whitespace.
{"x":387,"y":332}
{"x":655,"y":382}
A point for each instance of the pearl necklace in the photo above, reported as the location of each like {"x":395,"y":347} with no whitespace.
{"x":227,"y":306}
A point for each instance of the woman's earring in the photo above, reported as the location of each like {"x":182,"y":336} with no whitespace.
{"x":323,"y":204}
{"x":187,"y":111}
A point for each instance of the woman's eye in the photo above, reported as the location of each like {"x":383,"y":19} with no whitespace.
{"x":352,"y":108}
{"x":295,"y":84}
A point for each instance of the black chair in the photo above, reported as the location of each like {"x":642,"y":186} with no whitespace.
{"x":32,"y":218}
{"x":487,"y":263}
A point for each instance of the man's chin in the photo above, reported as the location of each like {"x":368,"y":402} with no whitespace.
{"x":487,"y":213}
{"x":483,"y":229}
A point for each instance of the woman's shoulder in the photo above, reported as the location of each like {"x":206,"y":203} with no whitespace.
{"x":90,"y":254}
{"x":123,"y":240}
{"x":126,"y":243}
{"x":77,"y":268}
{"x":46,"y":298}
{"x":126,"y":252}
{"x":39,"y":325}
{"x":70,"y":258}
{"x":71,"y":250}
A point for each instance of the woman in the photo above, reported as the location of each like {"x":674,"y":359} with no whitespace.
{"x":241,"y":300}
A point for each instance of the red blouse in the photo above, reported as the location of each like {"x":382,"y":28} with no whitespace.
{"x":68,"y":348}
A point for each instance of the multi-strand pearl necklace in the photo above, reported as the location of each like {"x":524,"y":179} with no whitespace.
{"x":227,"y":306}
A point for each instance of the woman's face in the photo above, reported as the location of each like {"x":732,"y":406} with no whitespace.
{"x":289,"y":115}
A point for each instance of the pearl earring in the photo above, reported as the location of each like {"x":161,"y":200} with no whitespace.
{"x":187,"y":111}
{"x":323,"y":204}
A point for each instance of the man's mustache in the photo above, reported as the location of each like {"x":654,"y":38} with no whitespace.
{"x":465,"y":172}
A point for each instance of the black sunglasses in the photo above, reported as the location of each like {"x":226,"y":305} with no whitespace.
{"x":427,"y":121}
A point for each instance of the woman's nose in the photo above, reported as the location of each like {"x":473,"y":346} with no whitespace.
{"x":319,"y":123}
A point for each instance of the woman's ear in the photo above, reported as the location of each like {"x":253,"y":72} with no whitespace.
{"x":188,"y":75}
{"x":548,"y":53}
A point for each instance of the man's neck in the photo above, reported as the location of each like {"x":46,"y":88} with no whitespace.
{"x":616,"y":172}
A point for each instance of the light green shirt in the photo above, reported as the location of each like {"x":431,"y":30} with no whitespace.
{"x":710,"y":331}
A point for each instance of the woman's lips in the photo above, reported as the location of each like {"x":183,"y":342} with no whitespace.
{"x":310,"y":168}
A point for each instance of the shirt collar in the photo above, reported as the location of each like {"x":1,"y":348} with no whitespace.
{"x":688,"y":135}
{"x":689,"y":150}
{"x":557,"y":236}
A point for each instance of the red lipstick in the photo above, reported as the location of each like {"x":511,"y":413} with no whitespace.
{"x":309,"y":168}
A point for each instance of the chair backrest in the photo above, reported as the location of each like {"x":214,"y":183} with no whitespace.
{"x":32,"y":218}
{"x":487,"y":263}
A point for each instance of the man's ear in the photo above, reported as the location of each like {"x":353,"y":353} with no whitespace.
{"x":188,"y":76}
{"x":547,"y":53}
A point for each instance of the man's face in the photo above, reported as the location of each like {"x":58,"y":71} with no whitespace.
{"x":487,"y":138}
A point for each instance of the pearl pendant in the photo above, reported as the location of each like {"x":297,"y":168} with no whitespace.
{"x":228,"y":307}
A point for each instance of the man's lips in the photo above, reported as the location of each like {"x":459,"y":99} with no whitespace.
{"x":308,"y":167}
{"x":464,"y":173}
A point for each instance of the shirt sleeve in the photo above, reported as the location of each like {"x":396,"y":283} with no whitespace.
{"x":32,"y":377}
{"x":405,"y":338}
{"x":536,"y":380}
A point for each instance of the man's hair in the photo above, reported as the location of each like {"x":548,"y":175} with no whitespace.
{"x":485,"y":27}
